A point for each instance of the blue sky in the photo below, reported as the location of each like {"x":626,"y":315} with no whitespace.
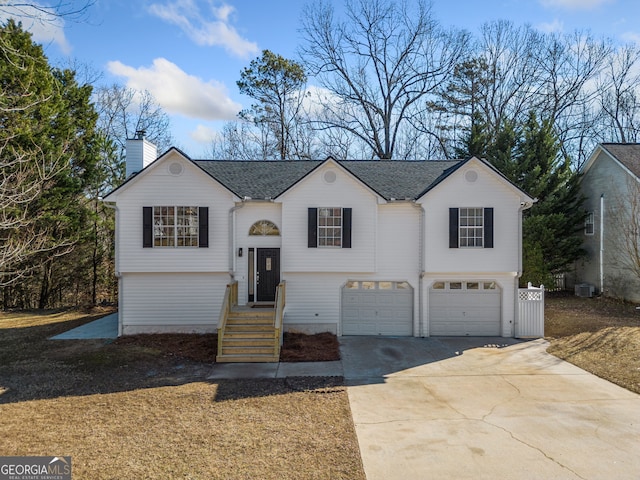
{"x":189,"y":53}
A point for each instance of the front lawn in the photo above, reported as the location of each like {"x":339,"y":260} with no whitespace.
{"x":600,"y":335}
{"x":140,"y":409}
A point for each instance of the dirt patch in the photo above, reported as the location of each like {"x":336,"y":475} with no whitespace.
{"x":600,"y":335}
{"x":199,"y":348}
{"x":297,"y":347}
{"x":320,"y":347}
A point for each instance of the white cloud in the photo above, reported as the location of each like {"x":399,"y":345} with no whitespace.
{"x":179,"y":92}
{"x":209,"y":28}
{"x":574,"y":4}
{"x":203,"y":134}
{"x":551,"y":27}
{"x":45,"y":27}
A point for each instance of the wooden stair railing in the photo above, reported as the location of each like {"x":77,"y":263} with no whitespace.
{"x":250,"y":335}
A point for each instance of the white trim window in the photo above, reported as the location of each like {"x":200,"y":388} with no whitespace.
{"x":175,"y":226}
{"x":589,"y":224}
{"x":471,"y":229}
{"x":329,"y":227}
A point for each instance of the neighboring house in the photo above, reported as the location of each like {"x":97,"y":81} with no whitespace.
{"x":611,"y":183}
{"x":413,"y":248}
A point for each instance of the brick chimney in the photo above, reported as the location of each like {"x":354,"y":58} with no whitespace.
{"x":140,"y":153}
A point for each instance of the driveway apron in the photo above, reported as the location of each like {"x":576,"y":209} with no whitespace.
{"x":485,"y":408}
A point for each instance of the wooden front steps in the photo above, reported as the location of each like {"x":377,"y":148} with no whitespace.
{"x":249,"y":335}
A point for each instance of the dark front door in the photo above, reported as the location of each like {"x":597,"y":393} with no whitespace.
{"x":268,"y":274}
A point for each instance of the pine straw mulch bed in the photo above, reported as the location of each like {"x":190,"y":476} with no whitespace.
{"x":297,"y":347}
{"x":143,"y":408}
{"x":600,"y":335}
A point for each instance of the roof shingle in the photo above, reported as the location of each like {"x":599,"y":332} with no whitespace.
{"x":627,"y":154}
{"x":268,"y":179}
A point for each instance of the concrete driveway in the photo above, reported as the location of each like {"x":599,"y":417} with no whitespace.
{"x":485,"y":408}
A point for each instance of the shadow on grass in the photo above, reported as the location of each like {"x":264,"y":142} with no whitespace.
{"x":32,"y":367}
{"x":238,"y":389}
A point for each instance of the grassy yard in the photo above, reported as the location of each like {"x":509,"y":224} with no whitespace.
{"x":144,"y":409}
{"x":599,"y":335}
{"x":141,"y":407}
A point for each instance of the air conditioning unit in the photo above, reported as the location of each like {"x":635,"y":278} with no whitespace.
{"x":584,"y":290}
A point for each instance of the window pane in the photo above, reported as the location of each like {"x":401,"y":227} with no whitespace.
{"x":402,"y":285}
{"x":264,"y":228}
{"x":329,"y":227}
{"x":473,"y":285}
{"x":471,"y":231}
{"x":455,"y":286}
{"x":438,"y":286}
{"x":589,"y":224}
{"x":368,"y":285}
{"x":385,"y":285}
{"x":352,"y":285}
{"x":175,"y":226}
{"x":489,"y":285}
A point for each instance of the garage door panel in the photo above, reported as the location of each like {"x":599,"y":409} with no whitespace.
{"x":377,"y":311}
{"x":462,"y":312}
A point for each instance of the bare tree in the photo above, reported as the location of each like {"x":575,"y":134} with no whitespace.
{"x":124,"y":111}
{"x":242,"y":140}
{"x":379,"y":62}
{"x":70,"y":9}
{"x":620,"y":96}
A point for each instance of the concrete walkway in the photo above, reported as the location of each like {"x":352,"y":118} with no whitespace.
{"x":222,"y":371}
{"x":103,"y":328}
{"x":474,"y":408}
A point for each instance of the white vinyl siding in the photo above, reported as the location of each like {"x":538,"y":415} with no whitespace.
{"x":156,"y":186}
{"x":488,"y":190}
{"x":313,"y":192}
{"x":171,"y":302}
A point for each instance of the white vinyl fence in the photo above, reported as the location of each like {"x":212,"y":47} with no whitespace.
{"x":530,"y":322}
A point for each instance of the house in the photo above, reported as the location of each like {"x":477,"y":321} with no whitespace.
{"x":415,"y":248}
{"x":611,"y":184}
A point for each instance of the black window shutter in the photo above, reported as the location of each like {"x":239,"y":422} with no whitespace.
{"x":346,"y":228}
{"x":488,"y":228}
{"x":147,"y":227}
{"x":453,"y":228}
{"x":203,"y":227}
{"x":312,"y":228}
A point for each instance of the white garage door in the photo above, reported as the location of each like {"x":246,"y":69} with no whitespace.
{"x":459,"y":308}
{"x":377,"y":308}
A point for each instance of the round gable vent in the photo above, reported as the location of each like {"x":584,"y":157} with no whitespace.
{"x":175,"y":168}
{"x":471,"y":176}
{"x":329,"y":176}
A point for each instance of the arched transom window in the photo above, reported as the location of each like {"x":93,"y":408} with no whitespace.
{"x":264,"y":228}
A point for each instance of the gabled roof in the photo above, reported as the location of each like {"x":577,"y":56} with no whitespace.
{"x":268,"y":179}
{"x":257,"y":179}
{"x":628,"y":154}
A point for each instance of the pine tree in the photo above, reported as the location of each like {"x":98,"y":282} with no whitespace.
{"x":48,"y":157}
{"x":531,"y":158}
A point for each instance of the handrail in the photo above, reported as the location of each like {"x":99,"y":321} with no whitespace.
{"x":279,"y":313}
{"x":230,"y":300}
